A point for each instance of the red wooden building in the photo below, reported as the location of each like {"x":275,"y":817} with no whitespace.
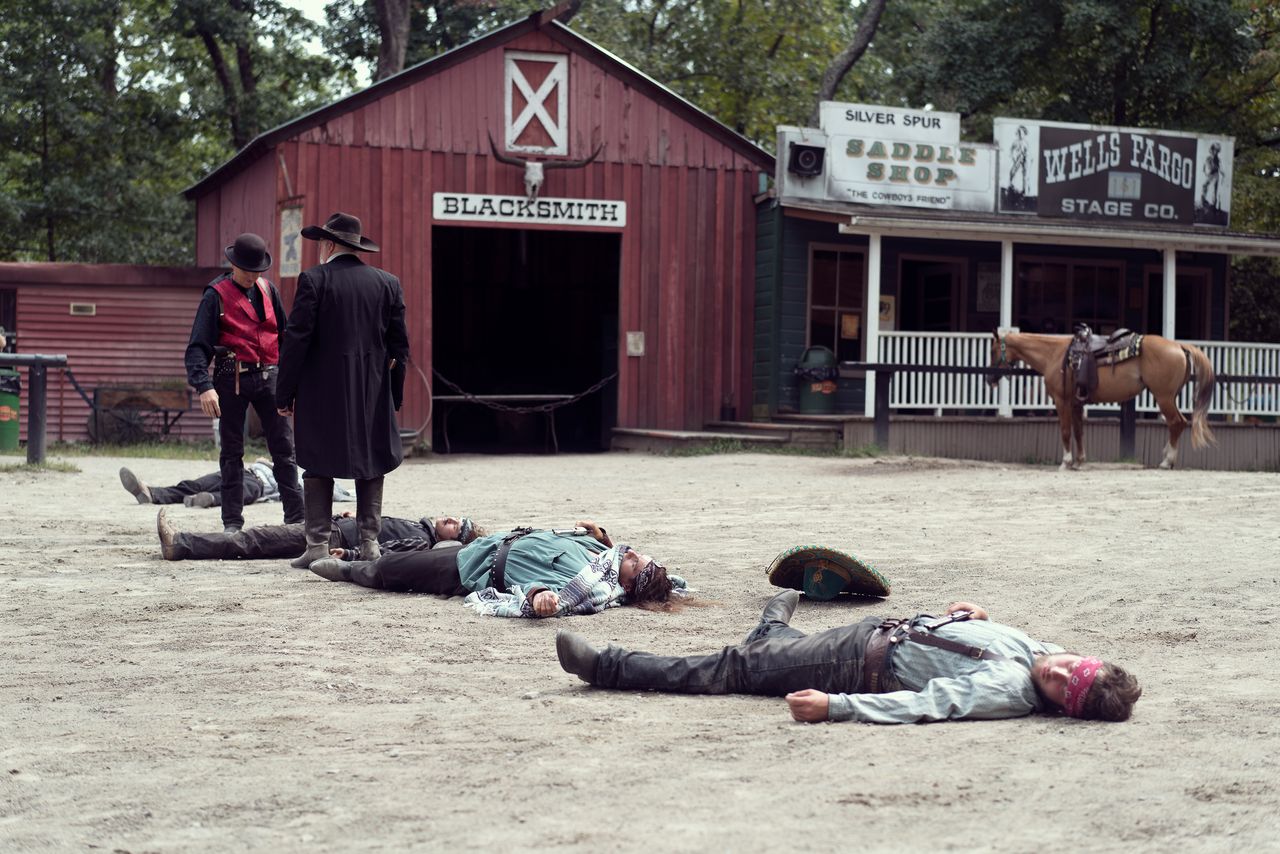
{"x":639,"y":261}
{"x":121,"y":326}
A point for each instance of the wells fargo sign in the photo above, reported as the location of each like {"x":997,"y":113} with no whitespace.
{"x":1110,"y":173}
{"x":896,"y":156}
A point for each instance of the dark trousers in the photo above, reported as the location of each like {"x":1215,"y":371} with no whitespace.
{"x":774,"y":665}
{"x":267,"y":541}
{"x":423,"y":571}
{"x":209,"y":483}
{"x":257,"y":389}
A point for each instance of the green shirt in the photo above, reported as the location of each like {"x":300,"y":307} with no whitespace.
{"x":539,"y":559}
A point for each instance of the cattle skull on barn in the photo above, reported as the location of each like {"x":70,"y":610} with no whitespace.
{"x":533,"y":169}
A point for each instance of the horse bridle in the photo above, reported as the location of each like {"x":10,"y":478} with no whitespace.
{"x":1004,"y":353}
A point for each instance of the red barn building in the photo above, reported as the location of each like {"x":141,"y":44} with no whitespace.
{"x":639,"y":261}
{"x":123,"y":329}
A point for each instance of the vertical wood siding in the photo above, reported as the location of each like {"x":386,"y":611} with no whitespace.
{"x":687,"y":251}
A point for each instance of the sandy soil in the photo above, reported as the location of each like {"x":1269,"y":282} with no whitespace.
{"x":202,"y":706}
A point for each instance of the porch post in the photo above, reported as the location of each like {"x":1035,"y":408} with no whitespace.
{"x":1005,"y":409}
{"x":872,"y":319}
{"x":1170,"y":302}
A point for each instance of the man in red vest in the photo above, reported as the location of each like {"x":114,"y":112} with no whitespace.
{"x":238,"y":327}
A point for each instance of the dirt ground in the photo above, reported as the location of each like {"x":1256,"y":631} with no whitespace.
{"x":205,"y":706}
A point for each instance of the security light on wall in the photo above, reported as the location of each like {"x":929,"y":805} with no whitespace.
{"x":805,"y":160}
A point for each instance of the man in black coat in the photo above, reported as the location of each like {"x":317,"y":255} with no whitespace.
{"x":342,"y":368}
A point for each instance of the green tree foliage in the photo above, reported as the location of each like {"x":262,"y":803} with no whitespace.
{"x":353,"y":39}
{"x":753,"y":64}
{"x":247,"y":63}
{"x":81,"y":167}
{"x":111,"y":107}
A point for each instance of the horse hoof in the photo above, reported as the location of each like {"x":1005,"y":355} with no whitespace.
{"x":1165,"y":465}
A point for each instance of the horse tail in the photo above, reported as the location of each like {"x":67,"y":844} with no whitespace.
{"x":1201,"y":435}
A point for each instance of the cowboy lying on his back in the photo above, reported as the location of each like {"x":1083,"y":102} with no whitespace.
{"x":924,"y":668}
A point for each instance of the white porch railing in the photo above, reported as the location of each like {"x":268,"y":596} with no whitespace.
{"x":973,"y":349}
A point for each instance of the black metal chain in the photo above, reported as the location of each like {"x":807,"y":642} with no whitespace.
{"x":550,"y":406}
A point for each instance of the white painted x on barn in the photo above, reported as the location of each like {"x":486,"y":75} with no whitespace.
{"x":541,"y":124}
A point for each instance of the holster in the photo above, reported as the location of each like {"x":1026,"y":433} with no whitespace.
{"x":498,"y":574}
{"x":877,"y":672}
{"x":877,"y":678}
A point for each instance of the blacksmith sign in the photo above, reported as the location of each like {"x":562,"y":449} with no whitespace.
{"x":914,"y":158}
{"x":473,"y":207}
{"x":1113,"y":174}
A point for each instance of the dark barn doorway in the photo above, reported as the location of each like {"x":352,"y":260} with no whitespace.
{"x":521,"y":312}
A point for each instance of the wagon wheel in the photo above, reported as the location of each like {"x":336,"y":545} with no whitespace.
{"x":122,"y":424}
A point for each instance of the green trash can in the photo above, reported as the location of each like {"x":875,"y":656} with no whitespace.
{"x":10,"y":388}
{"x":816,"y":374}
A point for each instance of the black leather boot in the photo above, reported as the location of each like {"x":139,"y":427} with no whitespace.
{"x":362,"y":572}
{"x":577,"y":655}
{"x":332,"y":569}
{"x":776,"y":618}
{"x":317,"y":494}
{"x":369,"y":516}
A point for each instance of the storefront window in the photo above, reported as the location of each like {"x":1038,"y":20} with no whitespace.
{"x":835,"y":302}
{"x":1053,"y":296}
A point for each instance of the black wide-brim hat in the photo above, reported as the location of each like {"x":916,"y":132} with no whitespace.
{"x":249,"y":252}
{"x":341,"y":228}
{"x":824,"y":573}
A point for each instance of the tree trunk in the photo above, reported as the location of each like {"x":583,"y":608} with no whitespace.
{"x":50,"y":253}
{"x":393,"y":27}
{"x":561,"y":12}
{"x":110,"y":54}
{"x":229,"y":95}
{"x":848,"y":57}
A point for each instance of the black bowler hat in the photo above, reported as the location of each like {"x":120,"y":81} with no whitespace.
{"x":249,"y":252}
{"x":341,"y":228}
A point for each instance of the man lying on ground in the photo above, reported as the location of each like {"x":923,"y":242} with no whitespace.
{"x":289,"y":541}
{"x":524,"y":573}
{"x":206,"y":491}
{"x":884,"y":671}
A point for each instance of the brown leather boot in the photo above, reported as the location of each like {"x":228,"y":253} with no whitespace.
{"x":139,"y":490}
{"x":317,"y":503}
{"x":369,"y":516}
{"x":169,"y":546}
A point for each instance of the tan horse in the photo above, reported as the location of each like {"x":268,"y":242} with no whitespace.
{"x":1164,"y":367}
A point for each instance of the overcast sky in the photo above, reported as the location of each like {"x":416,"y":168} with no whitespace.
{"x":314,"y":9}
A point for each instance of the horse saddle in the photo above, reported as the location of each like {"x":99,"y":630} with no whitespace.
{"x":1088,"y":351}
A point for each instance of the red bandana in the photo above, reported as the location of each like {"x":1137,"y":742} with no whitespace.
{"x":1078,"y":687}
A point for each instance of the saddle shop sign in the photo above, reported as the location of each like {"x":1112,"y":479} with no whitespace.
{"x":894,"y":156}
{"x":1073,"y":171}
